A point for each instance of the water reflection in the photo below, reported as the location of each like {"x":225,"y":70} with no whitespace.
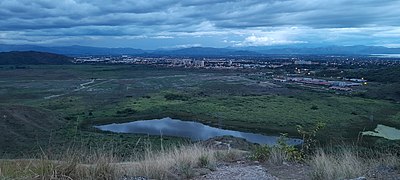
{"x":188,"y":129}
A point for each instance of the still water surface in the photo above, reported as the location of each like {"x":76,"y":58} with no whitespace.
{"x":188,"y":129}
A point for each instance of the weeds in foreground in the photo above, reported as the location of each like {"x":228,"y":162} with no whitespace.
{"x":179,"y":162}
{"x":279,"y":153}
{"x":231,"y":155}
{"x":340,"y":165}
{"x":309,"y":137}
{"x":347,"y":163}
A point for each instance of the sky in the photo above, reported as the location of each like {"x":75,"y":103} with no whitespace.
{"x":154,"y":24}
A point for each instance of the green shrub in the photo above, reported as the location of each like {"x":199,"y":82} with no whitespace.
{"x":261,"y":153}
{"x":309,"y":137}
{"x":278,"y":153}
{"x":127,"y":111}
{"x":314,"y":107}
{"x":292,"y":153}
{"x":171,"y":97}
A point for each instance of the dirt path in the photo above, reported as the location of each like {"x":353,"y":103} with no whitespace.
{"x":239,"y":172}
{"x":82,"y":86}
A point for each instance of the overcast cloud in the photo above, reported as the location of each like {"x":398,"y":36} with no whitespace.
{"x":172,"y":23}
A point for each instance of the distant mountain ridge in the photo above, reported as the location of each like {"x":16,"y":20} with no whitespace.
{"x":344,"y":50}
{"x":208,"y":51}
{"x":32,"y":57}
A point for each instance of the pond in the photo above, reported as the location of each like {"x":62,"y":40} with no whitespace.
{"x":188,"y":129}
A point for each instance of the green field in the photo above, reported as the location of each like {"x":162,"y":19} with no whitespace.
{"x":87,"y":95}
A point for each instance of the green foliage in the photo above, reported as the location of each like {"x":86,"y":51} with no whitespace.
{"x":289,"y":152}
{"x":309,"y":136}
{"x":171,"y":97}
{"x":228,"y":97}
{"x":127,"y":111}
{"x":261,"y":153}
{"x":32,"y":57}
{"x":384,"y":74}
{"x":314,"y":107}
{"x":292,"y":152}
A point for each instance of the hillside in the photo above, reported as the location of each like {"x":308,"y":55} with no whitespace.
{"x":23,"y":127}
{"x":31,"y":58}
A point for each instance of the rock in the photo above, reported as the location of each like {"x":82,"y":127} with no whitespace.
{"x":259,"y":167}
{"x":359,"y":178}
{"x":239,"y":172}
{"x":240,"y":162}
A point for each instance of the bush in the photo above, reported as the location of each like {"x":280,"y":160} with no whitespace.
{"x":127,"y":111}
{"x":290,"y":152}
{"x":309,"y":137}
{"x":314,"y":107}
{"x":277,"y":154}
{"x":261,"y":153}
{"x":171,"y":97}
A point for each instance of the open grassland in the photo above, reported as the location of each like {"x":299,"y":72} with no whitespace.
{"x":85,"y":95}
{"x":344,"y":116}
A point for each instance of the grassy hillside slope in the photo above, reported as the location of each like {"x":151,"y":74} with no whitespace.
{"x":31,"y":58}
{"x":22,"y":125}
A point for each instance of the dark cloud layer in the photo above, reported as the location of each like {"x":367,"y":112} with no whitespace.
{"x":30,"y":20}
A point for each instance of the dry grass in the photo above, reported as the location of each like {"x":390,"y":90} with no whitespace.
{"x":174,"y":163}
{"x":69,"y":166}
{"x":347,"y":163}
{"x":182,"y":163}
{"x":277,"y":156}
{"x":336,"y":166}
{"x":231,"y":155}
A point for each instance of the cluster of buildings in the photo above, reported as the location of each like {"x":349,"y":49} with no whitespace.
{"x":302,"y":65}
{"x":207,"y":63}
{"x":335,"y":85}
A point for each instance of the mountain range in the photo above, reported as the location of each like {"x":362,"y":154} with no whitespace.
{"x":207,"y":51}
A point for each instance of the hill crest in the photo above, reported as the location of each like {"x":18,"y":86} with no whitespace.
{"x":33,"y":58}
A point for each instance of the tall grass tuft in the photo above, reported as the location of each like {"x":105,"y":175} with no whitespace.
{"x":348,"y":163}
{"x":343,"y":164}
{"x":175,"y":162}
{"x":278,"y":156}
